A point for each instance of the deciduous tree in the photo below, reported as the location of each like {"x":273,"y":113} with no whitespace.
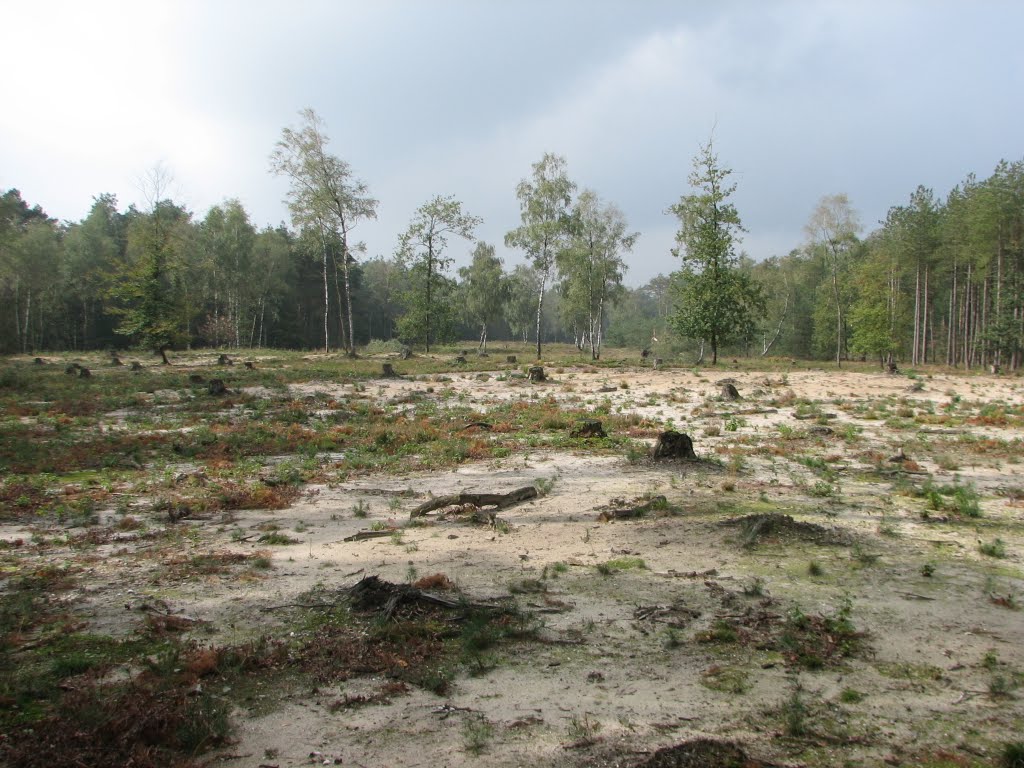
{"x":422,"y":246}
{"x":716,"y":301}
{"x":324,"y":195}
{"x":544,"y":203}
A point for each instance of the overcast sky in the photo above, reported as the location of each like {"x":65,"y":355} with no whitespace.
{"x":428,"y":97}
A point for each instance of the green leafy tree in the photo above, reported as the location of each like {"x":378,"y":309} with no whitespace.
{"x":422,"y":246}
{"x":523,"y":286}
{"x":592,"y":266}
{"x":878,"y":315}
{"x":832,"y":235}
{"x":270,"y":276}
{"x":151,"y":302}
{"x":544,"y":203}
{"x":93,"y":255}
{"x":324,"y":196}
{"x":227,"y":238}
{"x":485,"y":289}
{"x":25,"y":233}
{"x":717,"y":302}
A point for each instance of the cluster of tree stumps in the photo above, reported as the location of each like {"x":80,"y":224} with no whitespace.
{"x":74,"y":369}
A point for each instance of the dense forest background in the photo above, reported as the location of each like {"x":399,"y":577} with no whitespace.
{"x":941,"y":280}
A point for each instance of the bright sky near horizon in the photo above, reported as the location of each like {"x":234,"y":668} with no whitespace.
{"x":428,"y":97}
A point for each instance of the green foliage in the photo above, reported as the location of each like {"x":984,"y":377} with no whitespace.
{"x":484,"y":288}
{"x":716,"y":301}
{"x":544,"y":202}
{"x":430,"y":313}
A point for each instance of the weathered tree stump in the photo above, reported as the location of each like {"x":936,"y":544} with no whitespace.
{"x":406,"y":353}
{"x":224,"y":360}
{"x":39,"y":361}
{"x":993,"y":369}
{"x":891,"y":368}
{"x":250,"y":365}
{"x":83,"y":372}
{"x":510,"y":358}
{"x":388,"y":371}
{"x":115,"y":361}
{"x":461,"y":359}
{"x":195,"y":378}
{"x":537,"y":373}
{"x":673,"y":445}
{"x":588,"y":428}
{"x":216,"y":387}
{"x":729,"y":391}
{"x":136,"y":365}
{"x":658,"y":362}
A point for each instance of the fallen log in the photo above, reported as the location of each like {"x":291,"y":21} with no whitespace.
{"x":363,"y":535}
{"x":499,"y":500}
{"x":634,"y":511}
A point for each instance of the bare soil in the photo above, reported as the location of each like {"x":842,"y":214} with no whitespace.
{"x":807,"y":509}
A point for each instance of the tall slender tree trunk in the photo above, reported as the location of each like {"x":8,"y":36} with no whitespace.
{"x":26,"y":342}
{"x":951,"y":325}
{"x":348,"y":289}
{"x":915,"y":347}
{"x":327,"y":295}
{"x":924,"y":319}
{"x":337,"y":298}
{"x":540,"y":308}
{"x":430,"y":270}
{"x":839,"y":317}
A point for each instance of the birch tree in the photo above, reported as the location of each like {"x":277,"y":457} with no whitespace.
{"x":324,"y":195}
{"x":544,"y":203}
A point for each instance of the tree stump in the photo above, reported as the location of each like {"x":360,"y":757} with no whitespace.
{"x":224,"y":360}
{"x":388,"y":371}
{"x":136,"y":365}
{"x":658,"y":362}
{"x":461,"y":359}
{"x":891,"y":369}
{"x":588,"y":428}
{"x":39,"y":361}
{"x":250,"y":365}
{"x":673,"y":445}
{"x":115,"y":361}
{"x":216,"y":387}
{"x":83,"y":372}
{"x":537,"y":373}
{"x":510,"y":358}
{"x":406,"y":353}
{"x":729,"y":391}
{"x":993,"y":369}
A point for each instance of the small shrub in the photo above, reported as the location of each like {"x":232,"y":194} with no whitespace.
{"x":995,"y":548}
{"x":794,"y":715}
{"x":1013,"y":755}
{"x":476,"y":735}
{"x":851,"y":696}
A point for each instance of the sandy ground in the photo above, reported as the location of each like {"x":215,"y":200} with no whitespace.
{"x":619,"y":661}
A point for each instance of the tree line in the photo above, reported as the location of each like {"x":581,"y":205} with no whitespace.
{"x":939,"y":280}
